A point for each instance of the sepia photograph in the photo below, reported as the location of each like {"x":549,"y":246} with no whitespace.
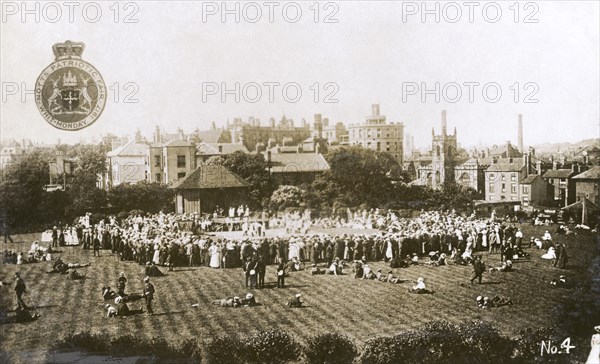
{"x":319,"y":182}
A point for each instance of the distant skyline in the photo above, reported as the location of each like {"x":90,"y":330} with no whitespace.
{"x":368,"y":54}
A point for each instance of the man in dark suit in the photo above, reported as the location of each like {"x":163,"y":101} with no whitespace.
{"x":478,"y":269}
{"x":149,"y":294}
{"x":280,"y":274}
{"x":20,"y":289}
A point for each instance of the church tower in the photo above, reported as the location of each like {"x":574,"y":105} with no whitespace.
{"x":443,"y":152}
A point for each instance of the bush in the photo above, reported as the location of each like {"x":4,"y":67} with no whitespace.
{"x":225,"y":349}
{"x":272,"y":346}
{"x":96,"y":343}
{"x":330,"y":348}
{"x":441,"y":342}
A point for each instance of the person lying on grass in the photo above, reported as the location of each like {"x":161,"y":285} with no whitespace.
{"x":74,"y":275}
{"x":496,"y":301}
{"x":419,"y":288}
{"x":228,"y":302}
{"x":505,"y":267}
{"x":316,"y":270}
{"x":390,"y":278}
{"x":61,"y":267}
{"x":296,"y":301}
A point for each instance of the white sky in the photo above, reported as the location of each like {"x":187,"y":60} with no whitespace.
{"x":369,"y":53}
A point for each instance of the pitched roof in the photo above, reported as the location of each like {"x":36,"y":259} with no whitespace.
{"x":559,"y":173}
{"x":227,"y":148}
{"x":214,"y":136}
{"x":210,"y":176}
{"x":505,"y":167}
{"x":502,"y":151}
{"x":177,"y":143}
{"x":298,"y":162}
{"x":529,"y":179}
{"x":593,"y":173}
{"x":130,"y":149}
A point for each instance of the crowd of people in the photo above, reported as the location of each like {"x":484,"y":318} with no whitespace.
{"x":433,"y":238}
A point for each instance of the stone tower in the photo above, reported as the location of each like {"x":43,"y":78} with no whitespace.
{"x":443,"y":152}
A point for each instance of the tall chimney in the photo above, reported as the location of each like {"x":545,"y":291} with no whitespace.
{"x":443,"y":122}
{"x":375,"y":109}
{"x":520,"y":141}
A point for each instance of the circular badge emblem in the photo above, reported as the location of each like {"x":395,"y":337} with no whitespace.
{"x":70,"y":93}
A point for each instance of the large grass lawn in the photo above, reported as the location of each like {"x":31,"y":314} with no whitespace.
{"x":361,"y":309}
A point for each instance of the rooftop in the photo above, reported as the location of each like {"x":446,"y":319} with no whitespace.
{"x":210,"y":176}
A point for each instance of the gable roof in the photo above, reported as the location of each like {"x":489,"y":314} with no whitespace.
{"x":214,"y":136}
{"x":177,"y":143}
{"x":593,"y":173}
{"x":130,"y":149}
{"x":227,"y":148}
{"x":505,"y":167}
{"x":559,"y":173}
{"x":506,"y":151}
{"x":298,"y":162}
{"x":529,"y":179}
{"x":210,"y":176}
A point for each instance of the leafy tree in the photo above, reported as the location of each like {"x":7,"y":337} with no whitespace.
{"x":253,"y":168}
{"x":22,"y":190}
{"x":361,"y":175}
{"x":146,"y":196}
{"x":84,"y":192}
{"x":287,"y":196}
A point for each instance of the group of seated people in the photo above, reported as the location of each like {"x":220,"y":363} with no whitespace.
{"x":248,"y":301}
{"x":496,"y":301}
{"x":119,"y":308}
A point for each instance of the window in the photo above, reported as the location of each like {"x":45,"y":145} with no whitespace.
{"x":491,"y":176}
{"x":525,"y":189}
{"x":513,"y":188}
{"x":157,"y":161}
{"x":503,"y":177}
{"x":180,"y":175}
{"x":513,"y":177}
{"x":378,"y":146}
{"x":503,"y":186}
{"x":513,"y":198}
{"x":491,"y":188}
{"x":181,"y":161}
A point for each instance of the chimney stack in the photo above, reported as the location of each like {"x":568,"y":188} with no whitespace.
{"x":520,"y":131}
{"x":575,"y":167}
{"x":538,"y":166}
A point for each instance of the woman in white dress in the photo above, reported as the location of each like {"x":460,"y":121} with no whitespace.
{"x":214,"y":255}
{"x":594,"y":357}
{"x":156,"y":256}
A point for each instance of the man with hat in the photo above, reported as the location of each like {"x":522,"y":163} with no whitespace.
{"x":20,"y":288}
{"x":148,"y":294}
